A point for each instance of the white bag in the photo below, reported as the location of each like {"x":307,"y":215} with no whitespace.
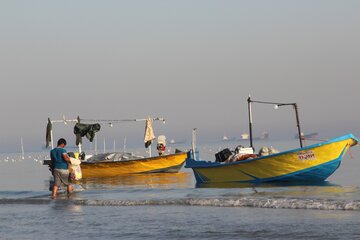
{"x":75,"y":169}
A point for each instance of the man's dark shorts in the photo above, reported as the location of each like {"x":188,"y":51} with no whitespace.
{"x":61,"y":176}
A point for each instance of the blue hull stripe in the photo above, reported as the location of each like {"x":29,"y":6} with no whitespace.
{"x":317,"y":173}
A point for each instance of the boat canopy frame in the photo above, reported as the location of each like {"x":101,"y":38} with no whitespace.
{"x":277,"y":105}
{"x":100,"y":121}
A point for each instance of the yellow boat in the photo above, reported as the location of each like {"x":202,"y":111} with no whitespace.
{"x":171,"y":163}
{"x":312,"y":163}
{"x":167,"y":163}
{"x":120,"y":163}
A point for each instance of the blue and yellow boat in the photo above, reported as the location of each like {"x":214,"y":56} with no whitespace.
{"x":306,"y":164}
{"x":312,"y":163}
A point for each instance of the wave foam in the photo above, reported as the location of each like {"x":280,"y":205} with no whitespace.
{"x":284,"y":203}
{"x":277,"y":203}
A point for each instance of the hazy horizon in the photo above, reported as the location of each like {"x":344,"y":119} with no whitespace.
{"x":192,"y":62}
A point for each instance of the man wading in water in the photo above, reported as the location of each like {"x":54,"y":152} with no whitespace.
{"x":60,"y":168}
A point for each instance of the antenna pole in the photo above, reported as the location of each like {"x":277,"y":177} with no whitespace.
{"x":22,"y":149}
{"x":194,"y":143}
{"x":52,"y":139}
{"x":124,"y":144}
{"x":78,"y":121}
{"x":298,"y":124}
{"x":95,"y":144}
{"x":250,"y":122}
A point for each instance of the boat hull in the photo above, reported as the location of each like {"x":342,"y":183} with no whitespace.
{"x":312,"y":163}
{"x":167,"y":163}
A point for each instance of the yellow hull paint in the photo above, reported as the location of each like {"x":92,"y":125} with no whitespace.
{"x":275,"y":166}
{"x":145,"y":165}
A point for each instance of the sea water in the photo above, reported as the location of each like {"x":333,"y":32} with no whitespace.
{"x":171,"y":206}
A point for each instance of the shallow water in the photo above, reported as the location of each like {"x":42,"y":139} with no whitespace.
{"x":173,"y":222}
{"x":163,"y":206}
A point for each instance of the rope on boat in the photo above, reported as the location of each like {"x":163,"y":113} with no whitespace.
{"x":120,"y":120}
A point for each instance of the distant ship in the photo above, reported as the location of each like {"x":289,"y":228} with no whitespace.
{"x":226,"y":139}
{"x":173,"y":141}
{"x":309,"y":135}
{"x":264,"y":136}
{"x":246,"y":136}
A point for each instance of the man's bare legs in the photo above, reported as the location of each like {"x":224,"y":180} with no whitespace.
{"x":69,"y":189}
{"x":54,"y":191}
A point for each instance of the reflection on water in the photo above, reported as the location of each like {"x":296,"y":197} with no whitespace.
{"x":63,"y":204}
{"x":323,"y":190}
{"x":313,"y":192}
{"x":153,"y":180}
{"x":262,"y":185}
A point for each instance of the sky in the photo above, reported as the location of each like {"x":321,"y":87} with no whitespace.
{"x":192,"y":62}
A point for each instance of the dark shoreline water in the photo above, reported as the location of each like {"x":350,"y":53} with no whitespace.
{"x":173,"y":222}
